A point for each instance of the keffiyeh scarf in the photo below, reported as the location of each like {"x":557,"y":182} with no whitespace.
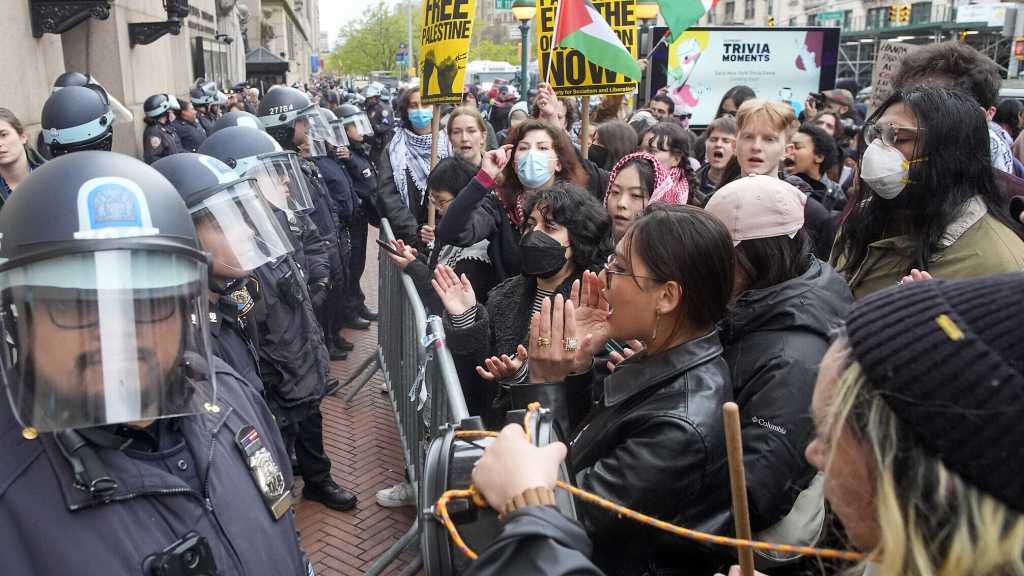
{"x":410,"y":153}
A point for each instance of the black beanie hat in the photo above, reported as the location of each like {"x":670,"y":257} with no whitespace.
{"x":948,"y":358}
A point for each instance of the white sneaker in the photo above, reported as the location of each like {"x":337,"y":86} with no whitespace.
{"x":397,"y":496}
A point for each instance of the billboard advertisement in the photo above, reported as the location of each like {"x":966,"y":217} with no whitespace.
{"x":784,"y":64}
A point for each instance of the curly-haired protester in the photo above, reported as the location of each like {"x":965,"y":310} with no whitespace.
{"x":917,"y":412}
{"x":565,"y":234}
{"x":926,"y":205}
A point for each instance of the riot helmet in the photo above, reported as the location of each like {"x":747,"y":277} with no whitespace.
{"x":234,"y":224}
{"x":102,"y":295}
{"x":350,"y":114}
{"x":283,"y":110}
{"x":156,"y":106}
{"x":254,"y":154}
{"x":338,"y":136}
{"x":77,"y":118}
{"x":237,"y":118}
{"x":175,"y":105}
{"x":70,"y":78}
{"x":372,"y":91}
{"x":203,"y":94}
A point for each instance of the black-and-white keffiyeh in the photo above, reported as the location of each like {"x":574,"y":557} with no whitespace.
{"x":410,"y":152}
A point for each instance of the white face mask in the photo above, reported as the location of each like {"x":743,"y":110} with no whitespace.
{"x":885,"y":169}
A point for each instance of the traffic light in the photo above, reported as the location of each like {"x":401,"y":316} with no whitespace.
{"x":771,"y":21}
{"x":894,"y":14}
{"x":904,"y":14}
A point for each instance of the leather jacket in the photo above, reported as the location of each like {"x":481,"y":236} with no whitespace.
{"x":655,"y":443}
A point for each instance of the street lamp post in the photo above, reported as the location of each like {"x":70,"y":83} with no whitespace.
{"x":647,"y":12}
{"x":524,"y":11}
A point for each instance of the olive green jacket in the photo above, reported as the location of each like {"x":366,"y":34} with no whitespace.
{"x":975,"y":244}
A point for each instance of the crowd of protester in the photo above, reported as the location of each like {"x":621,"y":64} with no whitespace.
{"x":852,"y":281}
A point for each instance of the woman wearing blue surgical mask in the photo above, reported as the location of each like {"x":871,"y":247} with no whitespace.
{"x":929,"y":197}
{"x":536,"y":157}
{"x":404,"y":167}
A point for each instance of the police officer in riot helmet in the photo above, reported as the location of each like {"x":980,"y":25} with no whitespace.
{"x":237,"y":228}
{"x":77,"y":118}
{"x":115,"y":434}
{"x":381,"y":119}
{"x":159,"y":139}
{"x":187,"y":127}
{"x":238,"y":118}
{"x":356,"y":161}
{"x":293,"y":358}
{"x":202,"y":95}
{"x":337,"y":191}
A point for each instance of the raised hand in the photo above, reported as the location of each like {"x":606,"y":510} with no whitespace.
{"x":555,"y":350}
{"x":632,"y":347}
{"x":456,"y":293}
{"x":495,"y":160}
{"x":502,"y":368}
{"x":592,"y":309}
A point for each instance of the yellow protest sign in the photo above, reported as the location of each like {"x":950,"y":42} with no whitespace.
{"x":444,"y":43}
{"x":567,"y":70}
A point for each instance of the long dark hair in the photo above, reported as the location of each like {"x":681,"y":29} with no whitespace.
{"x":738,"y":95}
{"x":671,"y":137}
{"x":619,"y":139}
{"x":590,"y":229}
{"x":689,"y":246}
{"x":1008,"y":114}
{"x":771,"y":261}
{"x":948,"y":176}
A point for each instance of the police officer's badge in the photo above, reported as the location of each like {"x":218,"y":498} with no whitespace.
{"x":264,"y":471}
{"x":243,"y":300}
{"x":154,"y":142}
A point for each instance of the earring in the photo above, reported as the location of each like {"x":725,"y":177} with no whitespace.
{"x":654,"y":334}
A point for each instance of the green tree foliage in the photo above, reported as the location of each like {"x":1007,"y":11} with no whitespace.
{"x":485,"y":50}
{"x":371,"y":42}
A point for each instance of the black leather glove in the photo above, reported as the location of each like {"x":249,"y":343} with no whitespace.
{"x":318,"y":293}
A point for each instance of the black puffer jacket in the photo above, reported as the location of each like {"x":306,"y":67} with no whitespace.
{"x":655,"y":443}
{"x":774,"y":340}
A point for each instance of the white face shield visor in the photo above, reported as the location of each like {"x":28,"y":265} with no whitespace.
{"x":280,"y":179}
{"x":105,"y":337}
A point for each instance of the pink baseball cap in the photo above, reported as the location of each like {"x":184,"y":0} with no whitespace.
{"x":758,"y":206}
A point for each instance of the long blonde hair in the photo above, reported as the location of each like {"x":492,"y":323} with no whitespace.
{"x":931,"y":522}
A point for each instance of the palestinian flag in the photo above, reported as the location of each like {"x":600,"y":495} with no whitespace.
{"x":681,"y":14}
{"x":581,"y":27}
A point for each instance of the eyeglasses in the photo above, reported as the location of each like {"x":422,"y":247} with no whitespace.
{"x":79,"y":314}
{"x":612,"y":268}
{"x":890,"y":133}
{"x":441,"y":205}
{"x":686,"y":116}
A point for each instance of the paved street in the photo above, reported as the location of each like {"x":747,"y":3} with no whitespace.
{"x":362,"y":441}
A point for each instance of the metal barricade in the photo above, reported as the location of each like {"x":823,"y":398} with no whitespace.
{"x":419,"y":372}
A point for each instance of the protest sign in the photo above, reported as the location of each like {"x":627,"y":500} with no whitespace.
{"x":444,"y":43}
{"x":567,"y":70}
{"x":887,"y":62}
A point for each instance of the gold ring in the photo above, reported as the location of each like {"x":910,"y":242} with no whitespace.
{"x":543,"y":341}
{"x":571,"y":344}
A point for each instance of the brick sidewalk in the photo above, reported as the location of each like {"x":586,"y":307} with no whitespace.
{"x":363,"y":444}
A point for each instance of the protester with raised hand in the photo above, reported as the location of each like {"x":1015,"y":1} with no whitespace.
{"x":566,"y":233}
{"x":926,"y":205}
{"x":654,"y":441}
{"x":914,"y":454}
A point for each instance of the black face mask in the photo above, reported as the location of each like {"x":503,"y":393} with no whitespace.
{"x":598,"y":154}
{"x":542,"y":255}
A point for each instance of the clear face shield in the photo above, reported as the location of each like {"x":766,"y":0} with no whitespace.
{"x":339,"y":133}
{"x":105,"y":337}
{"x":318,"y":133}
{"x":361,"y":122}
{"x":280,"y":179}
{"x":238,"y":229}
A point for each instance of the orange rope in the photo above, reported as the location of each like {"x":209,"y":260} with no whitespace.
{"x":474,"y":495}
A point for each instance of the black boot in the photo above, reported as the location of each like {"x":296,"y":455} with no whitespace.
{"x":332,"y":386}
{"x":363,"y":312}
{"x":331,"y":495}
{"x":336,"y":353}
{"x":344,"y":345}
{"x":356,"y":323}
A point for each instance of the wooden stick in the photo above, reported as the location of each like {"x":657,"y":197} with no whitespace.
{"x":585,"y":128}
{"x":435,"y":127}
{"x":738,"y":483}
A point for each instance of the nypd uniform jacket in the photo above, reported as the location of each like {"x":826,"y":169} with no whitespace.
{"x":191,"y":134}
{"x":293,"y":359}
{"x":310,"y":253}
{"x":159,"y":140}
{"x":202,"y":483}
{"x":228,"y":338}
{"x":325,"y":216}
{"x":206,"y":120}
{"x":364,"y":179}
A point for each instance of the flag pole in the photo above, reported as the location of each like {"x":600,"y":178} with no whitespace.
{"x":660,"y":42}
{"x":554,"y":35}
